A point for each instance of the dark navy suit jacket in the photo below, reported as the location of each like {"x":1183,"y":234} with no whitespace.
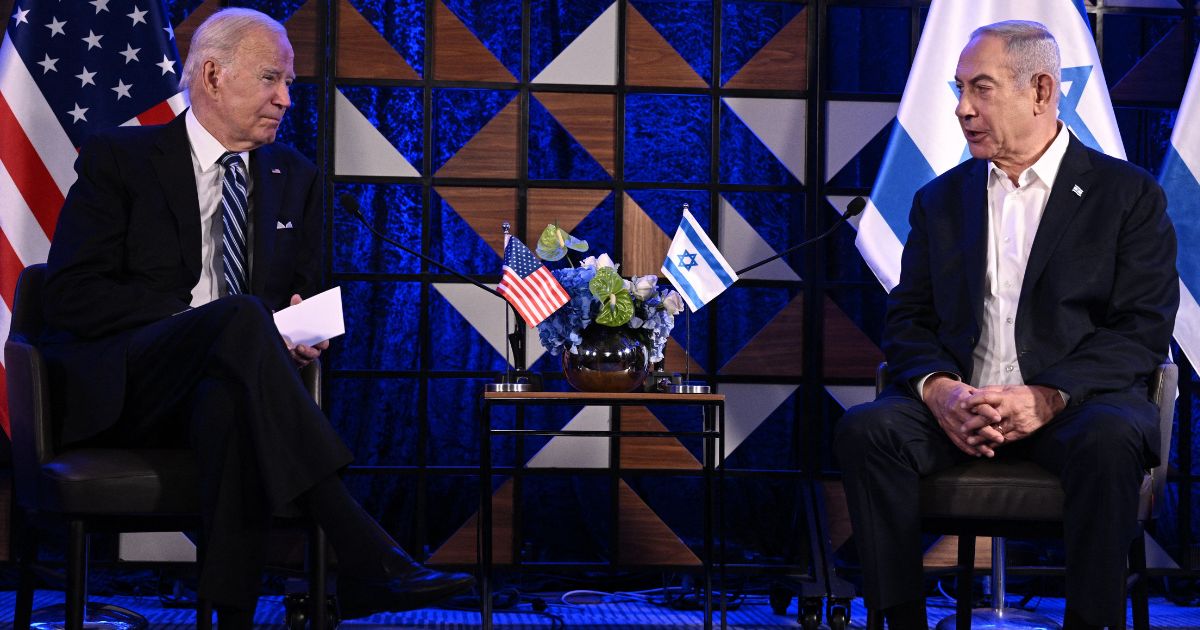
{"x":126,"y":253}
{"x":1098,"y":300}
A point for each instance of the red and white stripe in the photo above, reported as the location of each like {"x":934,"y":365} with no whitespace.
{"x":36,"y":170}
{"x":535,"y":297}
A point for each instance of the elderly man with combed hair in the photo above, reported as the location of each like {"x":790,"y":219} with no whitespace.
{"x":1037,"y":295}
{"x":172,"y":249}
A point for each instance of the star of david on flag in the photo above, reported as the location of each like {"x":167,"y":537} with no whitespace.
{"x":694,"y":266}
{"x":68,"y":69}
{"x":1180,"y":178}
{"x":927,"y":140}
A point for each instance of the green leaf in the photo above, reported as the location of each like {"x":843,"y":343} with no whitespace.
{"x":617,"y":310}
{"x":616,"y":305}
{"x":605,"y":283}
{"x":554,"y":243}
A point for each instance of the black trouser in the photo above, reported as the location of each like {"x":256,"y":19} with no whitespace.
{"x":219,"y":378}
{"x":1099,"y":449}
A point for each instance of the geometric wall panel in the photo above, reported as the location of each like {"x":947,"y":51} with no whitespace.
{"x":591,"y":59}
{"x":363,"y":52}
{"x":490,"y":153}
{"x":781,"y":64}
{"x":747,"y":406}
{"x":360,"y":148}
{"x":483,"y":312}
{"x":777,"y":349}
{"x":590,"y":119}
{"x":484,"y":209}
{"x":183,"y":32}
{"x":643,"y":536}
{"x":651,"y":452}
{"x":304,"y":32}
{"x":742,"y":246}
{"x":554,"y":152}
{"x":645,"y":245}
{"x":850,"y":126}
{"x":566,"y":208}
{"x":577,"y":452}
{"x":779,"y":124}
{"x":677,"y":30}
{"x":650,"y":59}
{"x":459,"y":55}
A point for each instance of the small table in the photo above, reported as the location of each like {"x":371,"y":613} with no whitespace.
{"x":712,"y":432}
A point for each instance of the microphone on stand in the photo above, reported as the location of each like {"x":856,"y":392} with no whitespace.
{"x":855,"y":207}
{"x":515,"y":339}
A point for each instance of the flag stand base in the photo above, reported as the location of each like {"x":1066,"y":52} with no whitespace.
{"x":515,"y":381}
{"x":508,"y":387}
{"x":689,"y":388}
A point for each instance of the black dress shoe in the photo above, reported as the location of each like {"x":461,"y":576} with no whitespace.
{"x":421,"y":587}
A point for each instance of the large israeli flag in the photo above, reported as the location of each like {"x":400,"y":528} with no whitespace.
{"x":1180,"y":171}
{"x":927,"y":141}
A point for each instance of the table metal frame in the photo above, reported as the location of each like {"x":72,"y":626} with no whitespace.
{"x":712,"y":434}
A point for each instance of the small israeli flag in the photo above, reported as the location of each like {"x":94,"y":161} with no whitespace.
{"x":927,"y":140}
{"x":1180,"y":178}
{"x":694,"y":266}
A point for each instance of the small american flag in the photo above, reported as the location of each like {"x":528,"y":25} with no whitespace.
{"x":68,"y":69}
{"x":528,"y":285}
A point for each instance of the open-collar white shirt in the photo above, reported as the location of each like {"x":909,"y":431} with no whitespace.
{"x":1014,"y":213}
{"x":206,"y":151}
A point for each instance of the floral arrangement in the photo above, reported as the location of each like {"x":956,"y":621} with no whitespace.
{"x":599,"y":295}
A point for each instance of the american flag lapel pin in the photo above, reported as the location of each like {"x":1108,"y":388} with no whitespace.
{"x":276,"y":171}
{"x":1077,"y":190}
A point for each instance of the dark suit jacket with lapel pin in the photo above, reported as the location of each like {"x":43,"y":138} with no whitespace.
{"x":127,"y":253}
{"x":1100,"y":292}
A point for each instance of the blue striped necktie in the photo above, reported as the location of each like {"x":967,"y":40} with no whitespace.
{"x":233,"y":221}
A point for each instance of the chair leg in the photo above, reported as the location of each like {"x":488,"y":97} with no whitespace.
{"x":1141,"y":594}
{"x":966,"y":574}
{"x":77,"y":549}
{"x":318,"y":600}
{"x":874,"y":619}
{"x":27,"y":546}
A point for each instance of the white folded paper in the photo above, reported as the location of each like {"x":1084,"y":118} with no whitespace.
{"x":314,"y":320}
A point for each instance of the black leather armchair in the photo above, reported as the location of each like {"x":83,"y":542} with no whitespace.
{"x":100,"y":489}
{"x":1003,"y":498}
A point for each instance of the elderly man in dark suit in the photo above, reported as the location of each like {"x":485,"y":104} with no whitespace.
{"x":172,"y":249}
{"x":1037,"y":294}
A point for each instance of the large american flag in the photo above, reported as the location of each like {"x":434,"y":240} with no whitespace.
{"x":68,"y":69}
{"x":528,"y":285}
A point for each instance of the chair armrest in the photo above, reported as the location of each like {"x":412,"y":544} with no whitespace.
{"x":311,"y":375}
{"x":29,"y":415}
{"x":1163,"y":388}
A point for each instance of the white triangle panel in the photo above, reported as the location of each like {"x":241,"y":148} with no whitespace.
{"x":850,"y":395}
{"x":359,"y":148}
{"x":742,"y":247}
{"x":577,"y":452}
{"x":746,"y":406}
{"x":589,"y":60}
{"x":485,"y":312}
{"x":850,"y":125}
{"x":779,"y":124}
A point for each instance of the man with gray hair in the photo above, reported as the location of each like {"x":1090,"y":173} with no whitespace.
{"x":172,"y":249}
{"x":1037,"y":295}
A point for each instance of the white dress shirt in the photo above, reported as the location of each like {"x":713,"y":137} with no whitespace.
{"x":1014,"y":213}
{"x":206,"y":153}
